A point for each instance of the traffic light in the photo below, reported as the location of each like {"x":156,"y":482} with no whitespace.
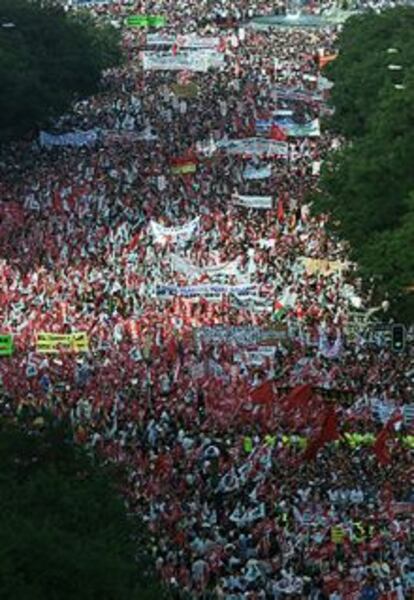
{"x":398,"y":338}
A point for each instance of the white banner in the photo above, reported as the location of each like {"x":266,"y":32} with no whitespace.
{"x":261,"y":202}
{"x":289,"y":127}
{"x":239,"y":335}
{"x":256,"y":304}
{"x":254,"y":147}
{"x":125,"y":136}
{"x":256,"y":357}
{"x":175,"y":234}
{"x":198,"y":61}
{"x":182,"y":265}
{"x":261,"y":172}
{"x":184,"y":41}
{"x":203,"y":291}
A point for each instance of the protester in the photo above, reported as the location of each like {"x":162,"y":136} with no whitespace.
{"x":263,"y":494}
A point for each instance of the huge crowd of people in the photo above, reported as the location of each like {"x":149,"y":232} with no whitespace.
{"x":140,"y":239}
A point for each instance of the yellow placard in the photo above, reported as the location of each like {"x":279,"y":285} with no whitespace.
{"x":337,"y":534}
{"x":189,"y":90}
{"x":323,"y":266}
{"x":55,"y":343}
{"x":184,"y":169}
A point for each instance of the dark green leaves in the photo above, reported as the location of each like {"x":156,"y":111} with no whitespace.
{"x":48,"y":59}
{"x":64,"y":533}
{"x":368,"y":187}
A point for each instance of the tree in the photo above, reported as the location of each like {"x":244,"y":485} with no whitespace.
{"x":64,"y":532}
{"x":48,"y":59}
{"x":360,"y":72}
{"x":368,"y":186}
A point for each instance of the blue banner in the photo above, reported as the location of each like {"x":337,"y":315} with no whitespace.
{"x":72,"y":138}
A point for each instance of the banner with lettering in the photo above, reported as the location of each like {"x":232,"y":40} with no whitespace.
{"x":54,"y":343}
{"x":182,"y":233}
{"x":260,"y":202}
{"x":241,"y":335}
{"x":73,"y":138}
{"x":260,"y":172}
{"x":229,"y":269}
{"x":254,"y":147}
{"x":6,"y":344}
{"x":184,"y":41}
{"x":211,"y":291}
{"x":124,"y":136}
{"x":255,"y":304}
{"x":324,"y":266}
{"x":289,"y":127}
{"x":256,"y":357}
{"x":296,"y":94}
{"x":197,"y":61}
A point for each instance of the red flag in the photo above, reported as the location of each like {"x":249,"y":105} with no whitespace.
{"x":222,"y":45}
{"x":263,"y":394}
{"x":277,"y":133}
{"x":280,"y":210}
{"x":133,"y":243}
{"x":328,"y":433}
{"x":381,"y":447}
{"x":299,"y":396}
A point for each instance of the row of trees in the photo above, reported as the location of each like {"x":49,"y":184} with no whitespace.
{"x":368,"y":186}
{"x":48,"y":59}
{"x":64,"y":532}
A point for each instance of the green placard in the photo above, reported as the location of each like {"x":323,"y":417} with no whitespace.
{"x":146,"y":21}
{"x":157,"y":21}
{"x":6,"y":344}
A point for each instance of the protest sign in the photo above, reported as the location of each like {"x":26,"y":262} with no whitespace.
{"x":211,"y":291}
{"x":296,"y":94}
{"x":73,"y":138}
{"x":184,"y":41}
{"x":254,"y":147}
{"x":197,"y":61}
{"x":189,"y":90}
{"x":324,"y":266}
{"x":241,"y":335}
{"x":260,"y":202}
{"x":289,"y":127}
{"x":337,"y":534}
{"x":6,"y":344}
{"x":258,"y":356}
{"x":146,"y":21}
{"x":181,"y":233}
{"x":254,"y":304}
{"x":124,"y":136}
{"x":260,"y":172}
{"x":183,"y":167}
{"x":182,"y":265}
{"x":54,"y":343}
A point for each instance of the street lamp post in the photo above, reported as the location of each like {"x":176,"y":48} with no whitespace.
{"x":395,"y":68}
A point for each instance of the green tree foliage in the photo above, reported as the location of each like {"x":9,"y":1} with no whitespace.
{"x":368,"y":186}
{"x":48,"y":59}
{"x":64,"y":533}
{"x":360,"y":73}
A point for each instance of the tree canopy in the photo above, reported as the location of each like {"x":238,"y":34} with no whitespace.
{"x":368,"y":186}
{"x":368,"y":45}
{"x":48,"y":58}
{"x":64,"y":532}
